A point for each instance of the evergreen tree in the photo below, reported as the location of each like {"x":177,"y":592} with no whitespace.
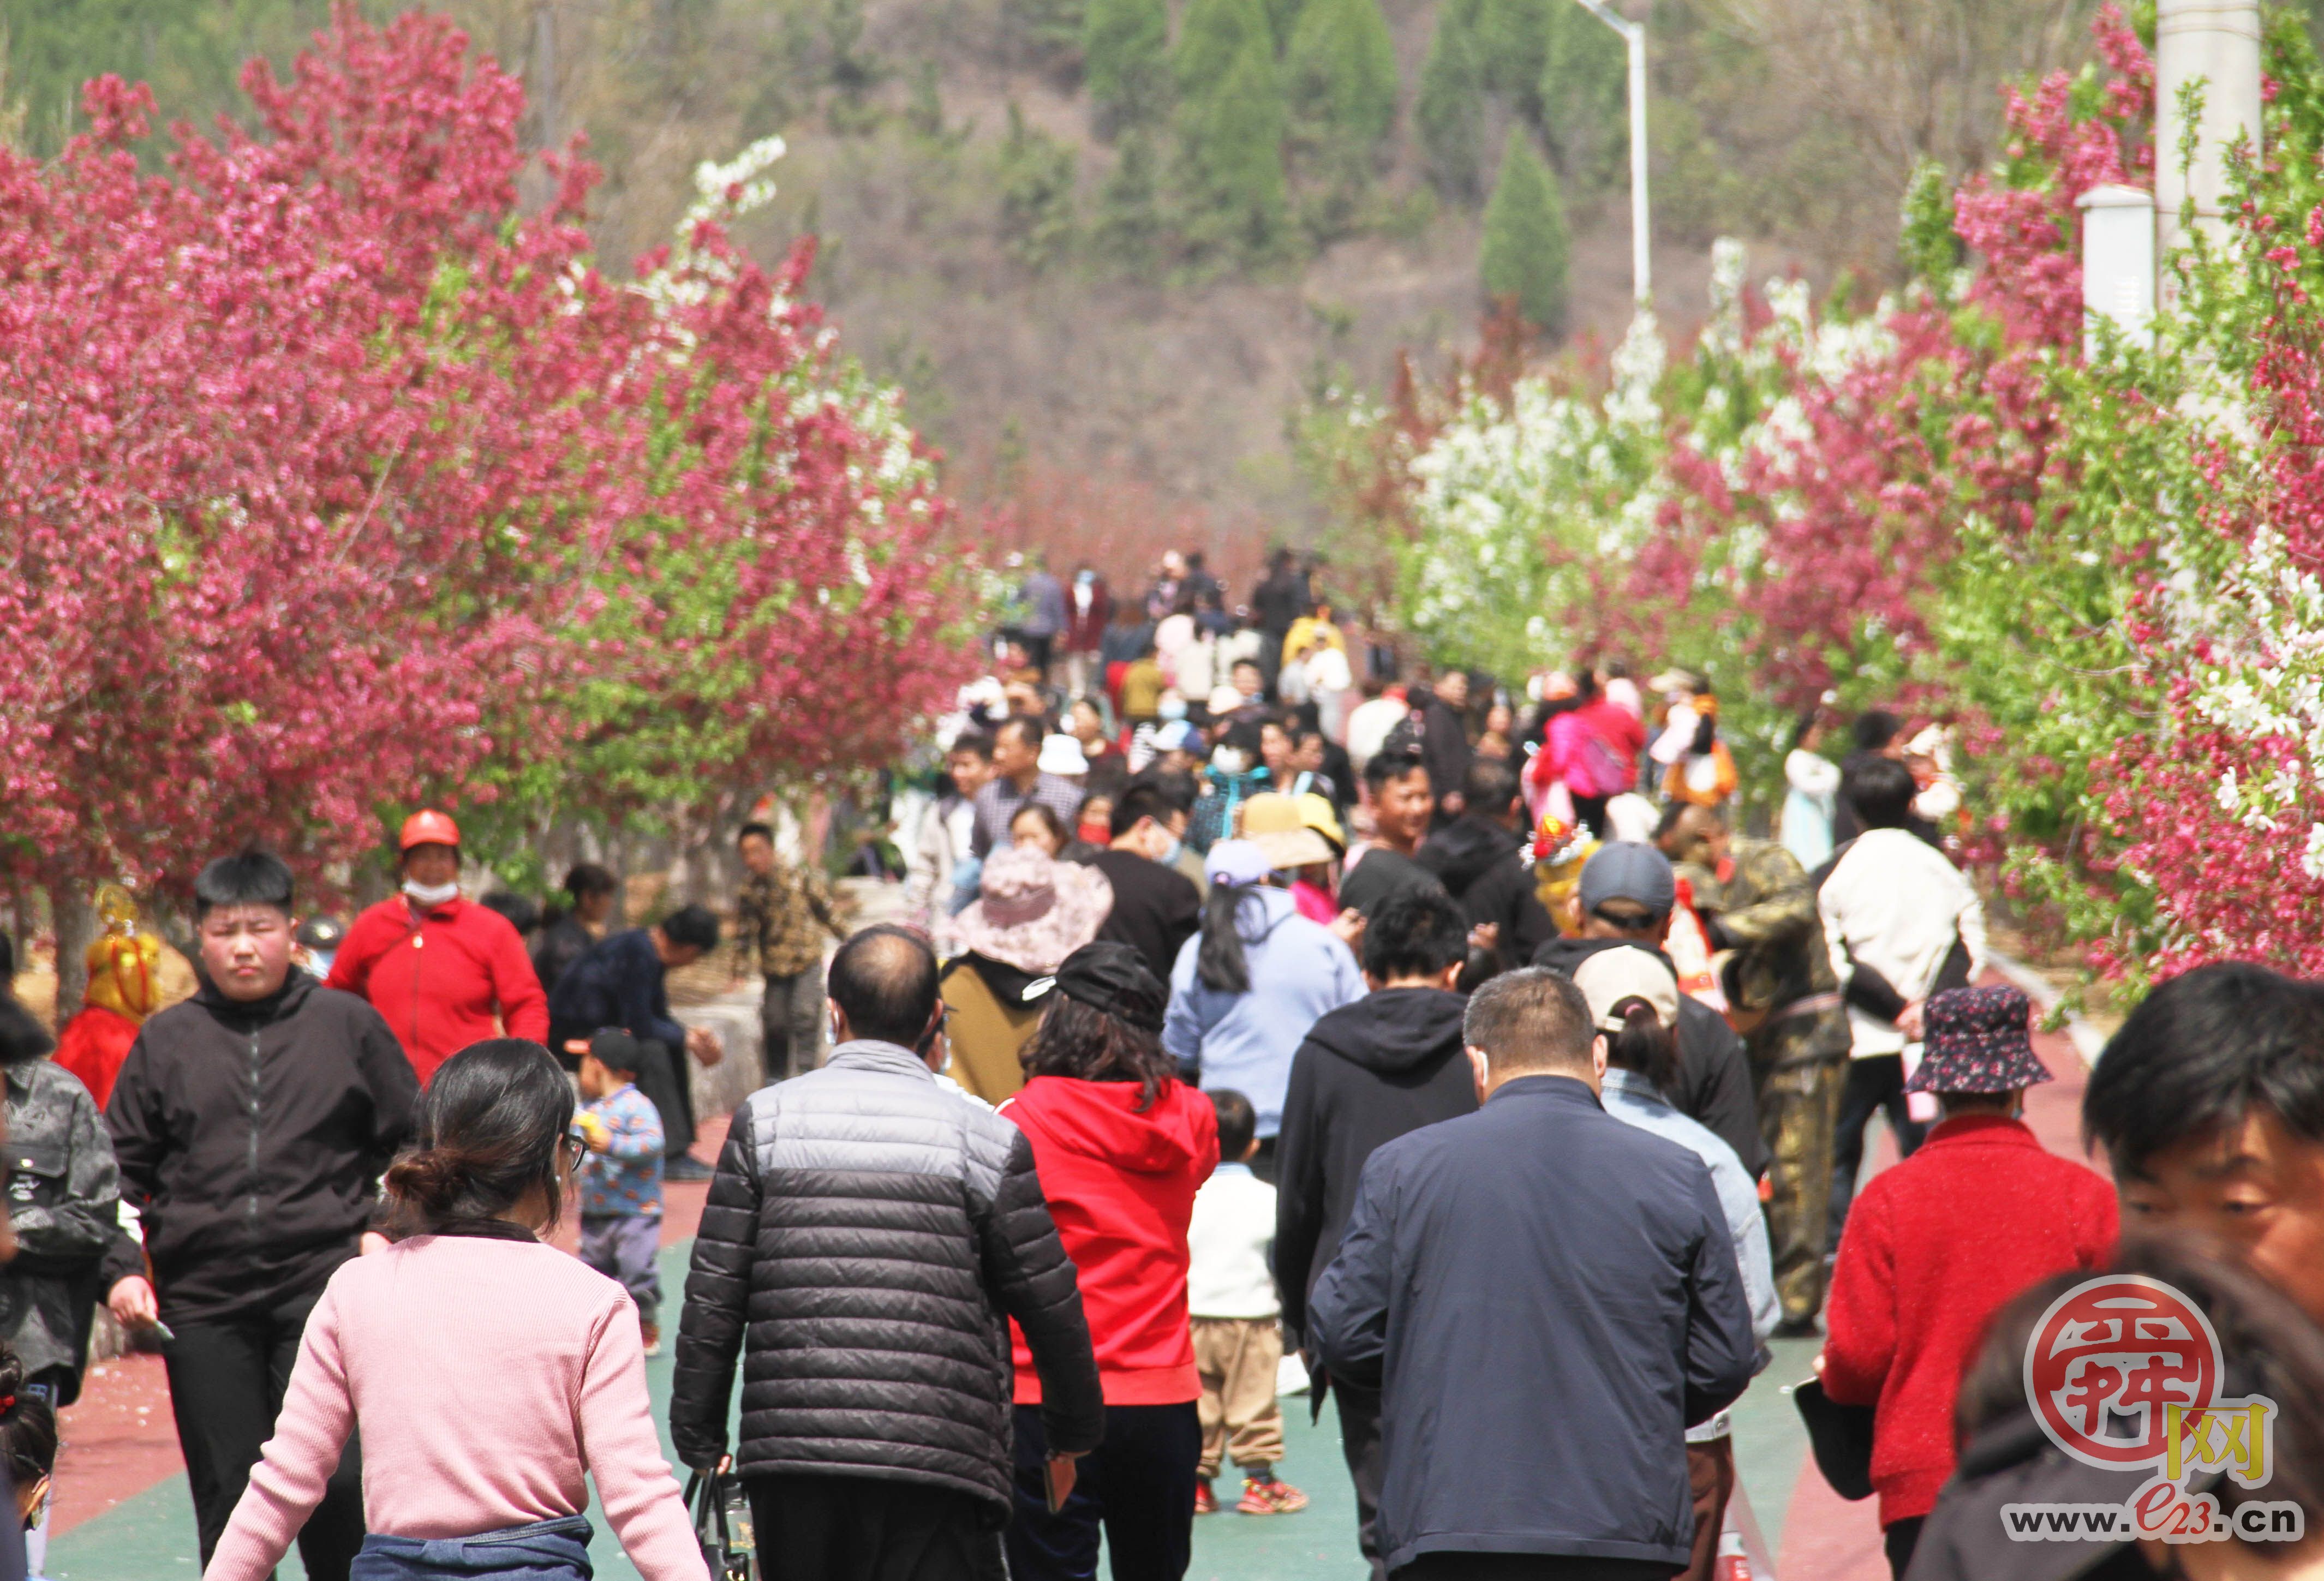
{"x":1342,"y":86}
{"x":1211,"y":41}
{"x":1231,"y":153}
{"x":1036,"y":193}
{"x":1512,"y":40}
{"x":1341,"y":72}
{"x":1126,"y":55}
{"x":1130,"y":228}
{"x":1585,"y":100}
{"x":1450,"y":111}
{"x":1527,"y":248}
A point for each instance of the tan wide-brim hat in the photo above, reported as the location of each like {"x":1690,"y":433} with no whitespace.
{"x":1032,"y":911}
{"x":1278,"y":825}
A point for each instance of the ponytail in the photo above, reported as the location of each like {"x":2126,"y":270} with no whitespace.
{"x":1220,"y":965}
{"x":1643,"y":1044}
{"x":491,"y":1125}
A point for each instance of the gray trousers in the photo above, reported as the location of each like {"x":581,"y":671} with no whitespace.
{"x":791,"y":1016}
{"x":623,"y":1247}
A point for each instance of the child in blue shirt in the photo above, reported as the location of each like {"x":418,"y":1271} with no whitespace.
{"x":621,"y":1177}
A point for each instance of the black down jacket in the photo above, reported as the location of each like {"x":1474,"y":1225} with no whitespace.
{"x":867,"y":1237}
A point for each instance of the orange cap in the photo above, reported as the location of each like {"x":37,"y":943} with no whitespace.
{"x":429,"y":827}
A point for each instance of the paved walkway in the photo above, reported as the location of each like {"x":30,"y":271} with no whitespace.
{"x":122,"y":1514}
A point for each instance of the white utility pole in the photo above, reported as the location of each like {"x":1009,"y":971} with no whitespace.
{"x":2217,"y":42}
{"x":1634,"y":37}
{"x":2117,"y":262}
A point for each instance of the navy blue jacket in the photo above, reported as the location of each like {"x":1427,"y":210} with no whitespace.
{"x":618,"y":983}
{"x":1546,"y":1296}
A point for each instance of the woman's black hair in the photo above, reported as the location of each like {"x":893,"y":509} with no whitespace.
{"x":1047,"y":816}
{"x":1219,"y":963}
{"x":28,"y":1425}
{"x":522,"y":915}
{"x":490,"y":1127}
{"x":582,"y":880}
{"x":1809,"y":719}
{"x":1643,"y":1044}
{"x":1084,"y":1042}
{"x":1706,"y":733}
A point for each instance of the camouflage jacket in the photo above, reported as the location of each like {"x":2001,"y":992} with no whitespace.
{"x":781,"y":917}
{"x":1764,"y":910}
{"x":64,"y":1198}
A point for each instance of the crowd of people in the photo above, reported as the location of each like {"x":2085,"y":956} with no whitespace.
{"x":1257,"y":1020}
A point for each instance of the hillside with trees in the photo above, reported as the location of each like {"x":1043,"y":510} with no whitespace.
{"x":1120,"y":241}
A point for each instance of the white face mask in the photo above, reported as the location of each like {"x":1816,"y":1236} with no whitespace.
{"x":430,"y":893}
{"x":1228,"y":761}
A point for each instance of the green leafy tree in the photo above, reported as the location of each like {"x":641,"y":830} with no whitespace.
{"x":1526,"y":247}
{"x":1450,"y":111}
{"x":1036,"y":193}
{"x":1583,"y":93}
{"x":1231,"y":153}
{"x":1126,"y":62}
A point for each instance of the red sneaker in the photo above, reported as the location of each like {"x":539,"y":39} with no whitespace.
{"x":1268,"y":1496}
{"x":1206,"y":1503}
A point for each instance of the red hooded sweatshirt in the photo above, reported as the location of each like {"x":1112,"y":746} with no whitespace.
{"x":1121,"y":1184}
{"x":440,"y":979}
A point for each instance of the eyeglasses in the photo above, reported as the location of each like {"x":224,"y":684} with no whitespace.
{"x":576,"y":1150}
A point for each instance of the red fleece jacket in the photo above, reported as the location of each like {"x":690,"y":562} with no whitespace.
{"x":1122,"y":1186}
{"x":439,"y":979}
{"x":1934,"y":1247}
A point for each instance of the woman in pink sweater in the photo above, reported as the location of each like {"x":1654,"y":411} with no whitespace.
{"x":486,"y":1371}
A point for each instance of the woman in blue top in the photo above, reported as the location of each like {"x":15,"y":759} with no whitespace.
{"x":1249,"y":984}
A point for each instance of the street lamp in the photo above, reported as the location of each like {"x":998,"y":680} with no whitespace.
{"x":1633,"y":38}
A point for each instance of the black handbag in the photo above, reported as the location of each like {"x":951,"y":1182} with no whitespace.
{"x":1841,"y":1436}
{"x":721,"y":1524}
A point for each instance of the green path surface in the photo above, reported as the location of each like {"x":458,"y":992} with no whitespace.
{"x":151,"y":1537}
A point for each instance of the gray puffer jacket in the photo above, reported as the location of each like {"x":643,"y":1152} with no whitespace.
{"x":867,"y":1237}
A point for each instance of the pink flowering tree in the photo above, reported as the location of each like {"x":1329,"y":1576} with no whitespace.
{"x":335,"y":480}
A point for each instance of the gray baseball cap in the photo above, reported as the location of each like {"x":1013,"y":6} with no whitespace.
{"x":1628,"y":870}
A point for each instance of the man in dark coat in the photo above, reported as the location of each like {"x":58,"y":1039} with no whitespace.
{"x":1477,"y":858}
{"x":1155,"y":909}
{"x":868,"y":1235}
{"x":1547,"y":1296}
{"x":623,"y":982}
{"x":251,"y":1123}
{"x":1368,"y":1073}
{"x":1627,"y":891}
{"x":1437,"y":715}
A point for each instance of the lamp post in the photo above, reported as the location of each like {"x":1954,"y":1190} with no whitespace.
{"x":1634,"y":39}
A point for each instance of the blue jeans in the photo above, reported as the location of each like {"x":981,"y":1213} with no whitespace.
{"x":546,"y":1551}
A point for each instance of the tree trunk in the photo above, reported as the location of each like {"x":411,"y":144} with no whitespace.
{"x":76,"y":931}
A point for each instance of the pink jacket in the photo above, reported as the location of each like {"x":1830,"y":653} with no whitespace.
{"x":487,"y":1377}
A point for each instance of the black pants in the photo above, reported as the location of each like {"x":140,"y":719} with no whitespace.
{"x":227,"y":1379}
{"x":661,"y":1077}
{"x":1454,"y":1565}
{"x":1139,"y":1484}
{"x":869,"y":1528}
{"x":1900,"y":1540}
{"x":1360,"y":1441}
{"x":1874,"y":1084}
{"x":1589,"y":811}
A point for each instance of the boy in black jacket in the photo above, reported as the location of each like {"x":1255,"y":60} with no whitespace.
{"x":251,"y":1123}
{"x":1368,"y":1072}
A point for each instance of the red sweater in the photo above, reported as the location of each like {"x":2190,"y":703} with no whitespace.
{"x":1934,"y":1247}
{"x":1122,"y":1186}
{"x":442,"y":979}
